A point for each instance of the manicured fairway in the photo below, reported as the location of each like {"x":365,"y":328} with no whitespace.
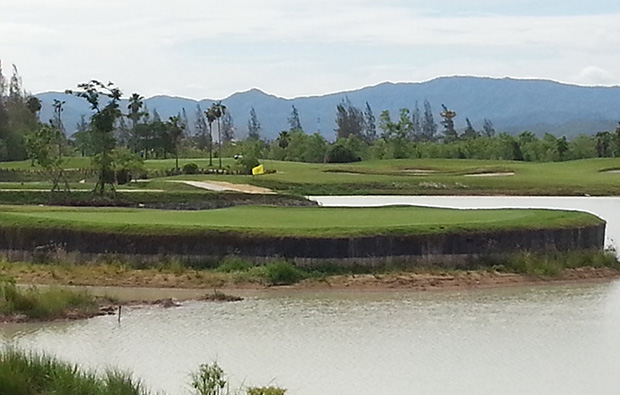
{"x":290,"y":221}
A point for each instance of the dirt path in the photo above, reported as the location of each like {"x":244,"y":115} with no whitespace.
{"x":226,"y":186}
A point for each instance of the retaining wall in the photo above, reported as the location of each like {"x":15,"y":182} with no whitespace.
{"x":447,"y":248}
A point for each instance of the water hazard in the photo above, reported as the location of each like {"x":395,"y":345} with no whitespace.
{"x":562,"y":339}
{"x":541,"y":340}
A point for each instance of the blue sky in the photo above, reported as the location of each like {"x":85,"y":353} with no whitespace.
{"x":290,"y":48}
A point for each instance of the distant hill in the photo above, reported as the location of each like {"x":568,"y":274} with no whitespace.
{"x":513,"y":105}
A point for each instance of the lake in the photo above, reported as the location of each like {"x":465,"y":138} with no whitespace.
{"x":560,"y":339}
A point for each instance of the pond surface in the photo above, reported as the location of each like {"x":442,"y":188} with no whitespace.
{"x":562,"y":339}
{"x":534,"y":340}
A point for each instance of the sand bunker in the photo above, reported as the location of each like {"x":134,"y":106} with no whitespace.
{"x":613,"y":171}
{"x":419,"y":171}
{"x":505,"y":173}
{"x":227,"y":186}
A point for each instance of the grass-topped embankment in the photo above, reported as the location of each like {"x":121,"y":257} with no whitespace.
{"x":186,"y":198}
{"x":43,"y":304}
{"x":290,"y":221}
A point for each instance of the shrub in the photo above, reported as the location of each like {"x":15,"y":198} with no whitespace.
{"x":338,"y":153}
{"x":210,"y":380}
{"x":190,"y":168}
{"x":233,"y":264}
{"x":246,"y":163}
{"x":283,"y":273}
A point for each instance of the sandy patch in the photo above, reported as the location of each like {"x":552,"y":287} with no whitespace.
{"x":419,"y":171}
{"x":614,"y":171}
{"x":505,"y":173}
{"x":227,"y":186}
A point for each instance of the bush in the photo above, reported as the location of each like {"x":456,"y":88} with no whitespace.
{"x":190,"y":168}
{"x":246,"y":163}
{"x":233,"y":264}
{"x":123,"y":176}
{"x":338,"y":153}
{"x":283,"y":273}
{"x":210,"y":380}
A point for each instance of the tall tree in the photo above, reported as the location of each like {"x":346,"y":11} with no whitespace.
{"x":487,"y":128}
{"x":254,"y":127}
{"x":293,"y":120}
{"x":102,"y":126}
{"x":349,"y":120}
{"x":429,"y":127}
{"x":228,"y":127}
{"x":175,"y":128}
{"x":218,"y":111}
{"x":470,"y":132}
{"x":450,"y":134}
{"x":82,"y":137}
{"x":211,"y":117}
{"x":136,"y":102}
{"x":45,"y":147}
{"x":370,"y":125}
{"x":416,"y":122}
{"x":201,"y":129}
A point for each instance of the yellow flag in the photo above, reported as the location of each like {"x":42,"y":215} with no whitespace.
{"x":258,"y":170}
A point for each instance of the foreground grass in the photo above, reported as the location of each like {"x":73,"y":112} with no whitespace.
{"x":28,"y":374}
{"x":23,"y":373}
{"x":291,"y":221}
{"x":44,"y":304}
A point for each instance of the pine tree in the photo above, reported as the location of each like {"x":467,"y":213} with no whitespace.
{"x":370,"y":125}
{"x":349,"y":119}
{"x":293,"y":120}
{"x":470,"y":132}
{"x":203,"y":140}
{"x":429,"y":127}
{"x":488,"y":129}
{"x":254,"y":127}
{"x":228,"y":127}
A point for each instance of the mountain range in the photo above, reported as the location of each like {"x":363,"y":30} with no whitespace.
{"x":513,"y":105}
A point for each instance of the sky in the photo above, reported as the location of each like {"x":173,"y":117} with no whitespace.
{"x":291,"y":48}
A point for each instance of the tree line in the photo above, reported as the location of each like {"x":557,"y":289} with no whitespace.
{"x":120,"y":138}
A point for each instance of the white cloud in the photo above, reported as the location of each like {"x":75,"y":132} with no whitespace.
{"x":197,"y":48}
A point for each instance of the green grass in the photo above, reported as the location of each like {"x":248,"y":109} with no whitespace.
{"x":50,"y":303}
{"x":396,"y":176}
{"x":290,"y":221}
{"x":31,"y":373}
{"x":24,"y":373}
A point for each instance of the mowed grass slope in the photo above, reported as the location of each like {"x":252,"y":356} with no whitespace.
{"x":290,"y":221}
{"x":399,"y":176}
{"x":436,"y":176}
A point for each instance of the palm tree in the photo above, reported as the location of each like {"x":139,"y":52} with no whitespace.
{"x":210,"y":113}
{"x":135,"y":105}
{"x":175,"y":128}
{"x":219,"y":110}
